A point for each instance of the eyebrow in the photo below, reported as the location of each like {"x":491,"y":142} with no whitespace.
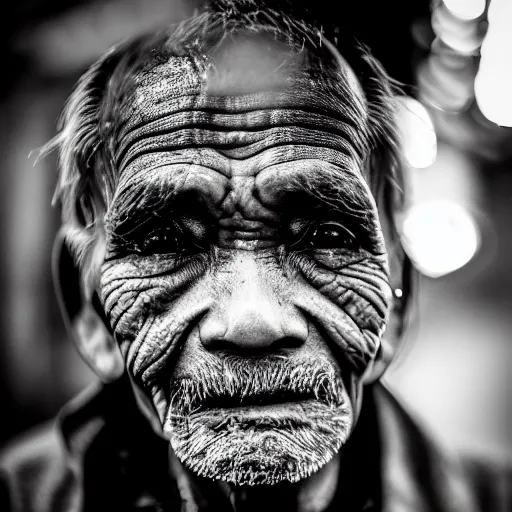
{"x":329,"y":184}
{"x":304,"y":203}
{"x":156,"y":211}
{"x":147,"y":202}
{"x":157,"y":201}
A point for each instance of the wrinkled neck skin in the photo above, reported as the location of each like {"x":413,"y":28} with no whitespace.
{"x":313,"y":494}
{"x":246,"y":278}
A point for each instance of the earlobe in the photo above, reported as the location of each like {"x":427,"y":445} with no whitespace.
{"x":87,"y":328}
{"x":383,"y":359}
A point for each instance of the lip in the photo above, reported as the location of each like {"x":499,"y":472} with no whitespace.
{"x":256,"y":401}
{"x":258,"y":410}
{"x":299,"y":413}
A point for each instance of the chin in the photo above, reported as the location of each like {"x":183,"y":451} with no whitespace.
{"x":260,"y":444}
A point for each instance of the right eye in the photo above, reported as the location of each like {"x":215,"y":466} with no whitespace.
{"x":163,"y":241}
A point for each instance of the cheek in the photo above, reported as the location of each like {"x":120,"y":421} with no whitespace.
{"x":351,"y":304}
{"x":148,"y":308}
{"x":361,"y":290}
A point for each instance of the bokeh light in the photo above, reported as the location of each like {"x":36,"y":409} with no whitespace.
{"x":493,"y":83}
{"x":417,"y":134}
{"x":452,"y":177}
{"x":466,"y":9}
{"x":460,"y":34}
{"x":439,"y":237}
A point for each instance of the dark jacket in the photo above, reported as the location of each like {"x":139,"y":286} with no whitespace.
{"x":101,"y":454}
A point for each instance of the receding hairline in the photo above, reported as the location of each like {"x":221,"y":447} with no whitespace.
{"x":90,"y":120}
{"x":206,"y":80}
{"x":87,"y":175}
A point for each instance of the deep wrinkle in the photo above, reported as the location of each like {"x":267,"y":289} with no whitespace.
{"x":236,"y":161}
{"x":214,"y":197}
{"x":349,"y":329}
{"x":183,"y":317}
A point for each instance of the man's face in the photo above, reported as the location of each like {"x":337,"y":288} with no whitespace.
{"x":245,"y":277}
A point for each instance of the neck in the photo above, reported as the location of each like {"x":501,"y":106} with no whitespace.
{"x":313,"y":494}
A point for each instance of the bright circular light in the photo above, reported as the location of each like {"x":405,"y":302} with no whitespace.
{"x":500,"y":14}
{"x":417,"y":134}
{"x":466,"y":9}
{"x":456,"y":30}
{"x":439,"y":237}
{"x":493,"y":81}
{"x":494,"y":97}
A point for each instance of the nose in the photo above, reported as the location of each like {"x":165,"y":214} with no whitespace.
{"x":252,"y":317}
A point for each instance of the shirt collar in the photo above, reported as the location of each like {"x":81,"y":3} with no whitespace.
{"x":388,"y":464}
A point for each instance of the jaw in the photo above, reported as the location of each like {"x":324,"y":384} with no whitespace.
{"x":260,"y":445}
{"x":277,"y":419}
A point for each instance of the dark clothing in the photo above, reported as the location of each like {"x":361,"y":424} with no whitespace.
{"x":101,"y":454}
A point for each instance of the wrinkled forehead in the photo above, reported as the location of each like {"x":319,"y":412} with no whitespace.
{"x":253,"y":127}
{"x":245,"y":83}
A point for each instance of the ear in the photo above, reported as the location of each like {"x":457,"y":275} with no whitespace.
{"x":84,"y":319}
{"x":401,"y":282}
{"x":389,"y":343}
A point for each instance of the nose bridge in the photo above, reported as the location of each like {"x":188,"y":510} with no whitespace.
{"x":253,"y":299}
{"x":252,"y":313}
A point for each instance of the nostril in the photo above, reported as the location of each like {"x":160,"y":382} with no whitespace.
{"x":256,"y":327}
{"x":211,"y":331}
{"x":287,"y":343}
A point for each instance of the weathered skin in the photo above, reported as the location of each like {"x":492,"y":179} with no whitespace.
{"x":246,"y":276}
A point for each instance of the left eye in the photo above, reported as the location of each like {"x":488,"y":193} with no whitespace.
{"x":331,"y":235}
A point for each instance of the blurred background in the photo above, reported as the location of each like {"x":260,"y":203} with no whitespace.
{"x":454,"y":58}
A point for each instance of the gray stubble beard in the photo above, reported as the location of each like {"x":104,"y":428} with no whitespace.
{"x":242,"y":448}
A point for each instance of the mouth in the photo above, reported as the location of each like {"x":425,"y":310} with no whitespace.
{"x":273,"y":396}
{"x":285,"y":409}
{"x":244,"y":423}
{"x":260,"y":401}
{"x":285,"y":414}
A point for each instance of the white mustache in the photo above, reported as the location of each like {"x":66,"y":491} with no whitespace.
{"x":238,"y":382}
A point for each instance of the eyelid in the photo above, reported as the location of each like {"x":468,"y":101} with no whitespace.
{"x":339,"y":225}
{"x":188,"y":234}
{"x":299,"y":230}
{"x":171,"y":226}
{"x":183,"y":239}
{"x":194,"y":228}
{"x":299,"y":226}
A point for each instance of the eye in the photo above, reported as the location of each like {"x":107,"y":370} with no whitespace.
{"x":330,"y":235}
{"x":168,"y":240}
{"x":161,"y":241}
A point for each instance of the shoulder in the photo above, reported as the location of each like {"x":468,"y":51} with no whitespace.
{"x":491,"y":480}
{"x":40,"y":470}
{"x":425,"y":474}
{"x":99,"y":454}
{"x":35,"y":471}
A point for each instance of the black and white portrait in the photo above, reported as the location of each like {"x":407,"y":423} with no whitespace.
{"x":256,"y":256}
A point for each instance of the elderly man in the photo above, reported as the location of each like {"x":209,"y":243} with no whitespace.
{"x":231,"y":272}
